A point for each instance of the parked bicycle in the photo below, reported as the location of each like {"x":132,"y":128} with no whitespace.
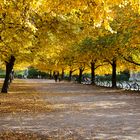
{"x":134,"y":86}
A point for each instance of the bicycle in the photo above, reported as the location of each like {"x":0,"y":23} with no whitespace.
{"x":134,"y":86}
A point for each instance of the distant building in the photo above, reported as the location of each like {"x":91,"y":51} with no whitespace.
{"x":134,"y":76}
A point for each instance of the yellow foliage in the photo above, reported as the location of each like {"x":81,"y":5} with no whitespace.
{"x":29,"y":27}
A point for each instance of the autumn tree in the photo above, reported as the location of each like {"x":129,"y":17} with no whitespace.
{"x":111,"y":50}
{"x":16,"y":35}
{"x":92,"y":52}
{"x":127,"y":26}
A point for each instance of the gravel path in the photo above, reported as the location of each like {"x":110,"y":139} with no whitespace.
{"x":82,"y":112}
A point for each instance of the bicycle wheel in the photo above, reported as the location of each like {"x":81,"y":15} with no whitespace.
{"x":127,"y":86}
{"x":135,"y":86}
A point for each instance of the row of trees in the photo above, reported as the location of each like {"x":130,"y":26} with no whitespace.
{"x":43,"y":33}
{"x":101,"y":50}
{"x":97,"y":56}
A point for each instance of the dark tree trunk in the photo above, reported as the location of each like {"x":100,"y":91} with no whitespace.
{"x":9,"y":67}
{"x":92,"y":73}
{"x":70,"y":75}
{"x":80,"y":75}
{"x":114,"y":73}
{"x":62,"y":75}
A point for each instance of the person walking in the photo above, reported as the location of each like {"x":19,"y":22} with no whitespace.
{"x":56,"y":75}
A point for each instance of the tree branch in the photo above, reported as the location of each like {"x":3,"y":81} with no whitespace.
{"x":131,"y":61}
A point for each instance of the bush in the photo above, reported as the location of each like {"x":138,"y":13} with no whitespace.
{"x":123,"y":76}
{"x":34,"y":73}
{"x":2,"y":74}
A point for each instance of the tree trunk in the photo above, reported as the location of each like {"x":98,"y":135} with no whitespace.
{"x":114,"y":73}
{"x":92,"y":73}
{"x":70,"y":75}
{"x":80,"y":75}
{"x":9,"y":67}
{"x":62,"y":75}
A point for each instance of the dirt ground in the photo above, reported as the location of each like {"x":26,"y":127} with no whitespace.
{"x":80,"y":112}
